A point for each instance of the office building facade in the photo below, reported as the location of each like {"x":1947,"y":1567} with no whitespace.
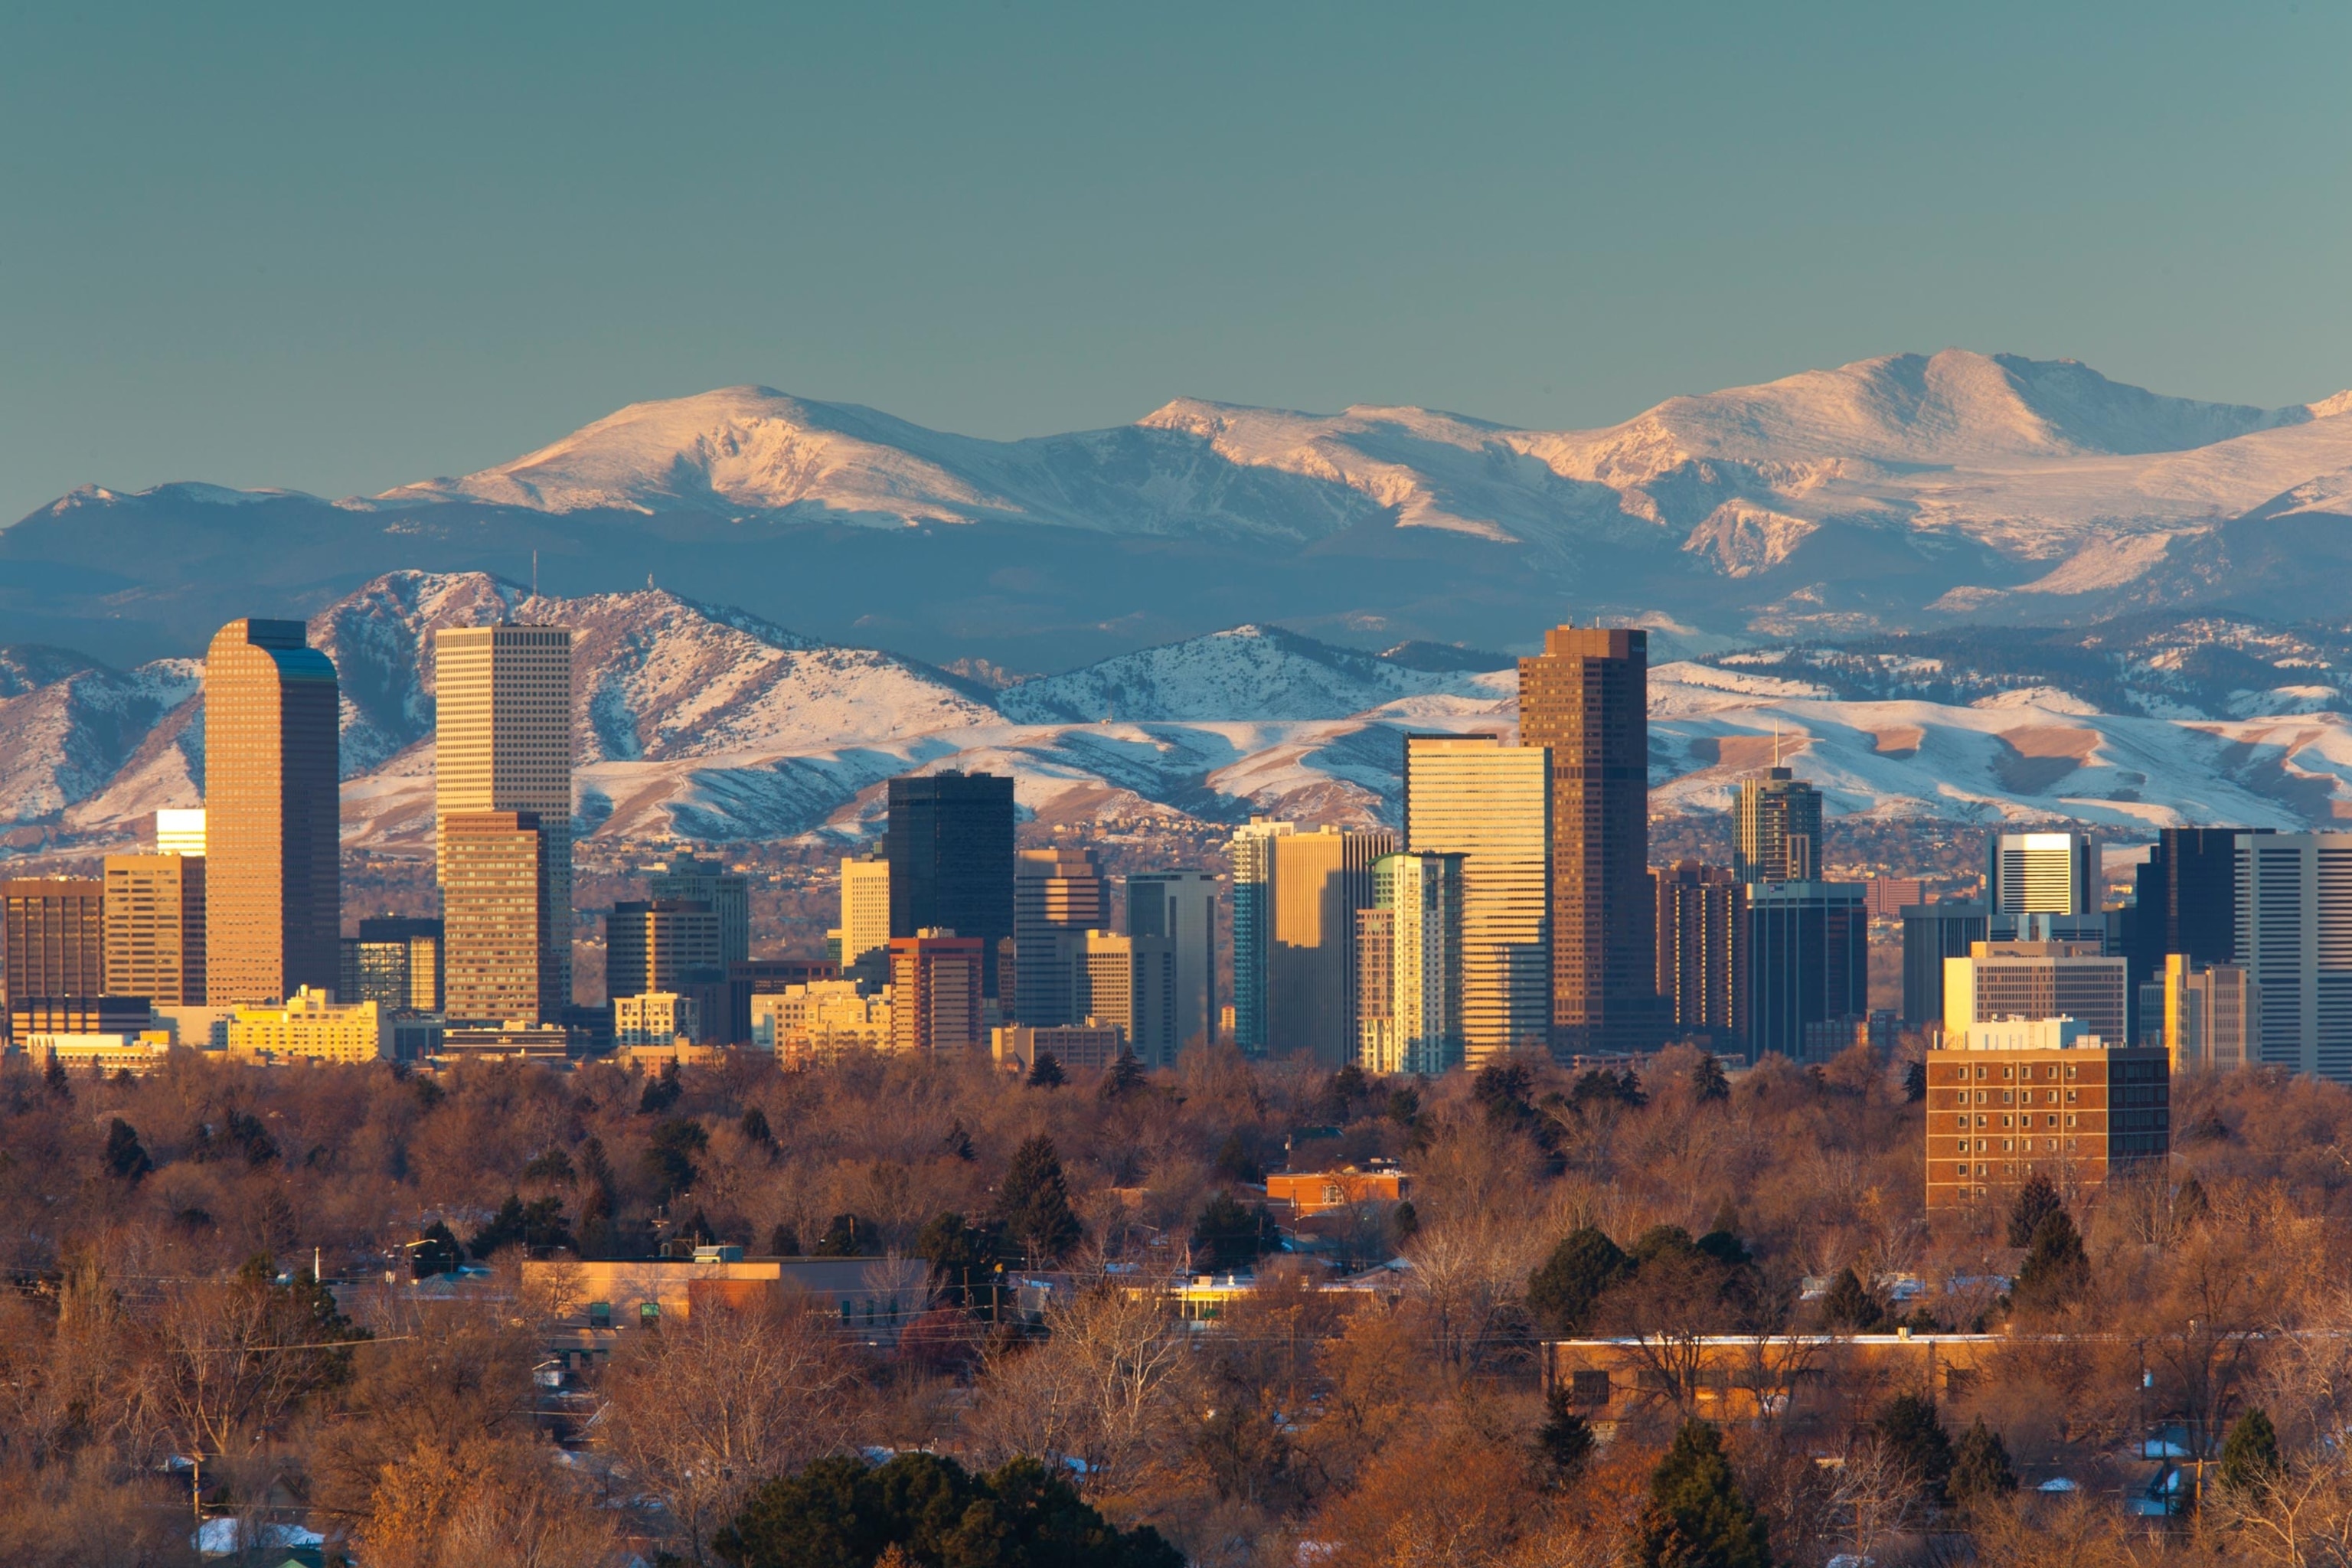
{"x":1410,"y":966}
{"x":273,"y":870}
{"x":1703,"y":954}
{"x":1058,"y":895}
{"x":660,"y":944}
{"x":2042,"y":873}
{"x":498,"y":918}
{"x":309,"y":1026}
{"x":2185,"y":900}
{"x":866,"y":913}
{"x":1932,"y":934}
{"x":934,"y":991}
{"x":155,"y":913}
{"x":1807,"y":961}
{"x":728,"y":894}
{"x":52,"y":939}
{"x":1321,"y":880}
{"x":1250,"y":853}
{"x":1489,"y":803}
{"x":2037,"y":980}
{"x":950,"y":845}
{"x":1585,"y":698}
{"x":1777,"y":829}
{"x":180,"y":831}
{"x":395,"y":962}
{"x":1128,"y":983}
{"x":502,"y":741}
{"x":2294,"y":940}
{"x":2207,"y":1017}
{"x":1181,"y":907}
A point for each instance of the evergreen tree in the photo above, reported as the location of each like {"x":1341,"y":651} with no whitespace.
{"x":1124,"y":1077}
{"x":1046,"y":1072}
{"x":597,"y":1204}
{"x":784,"y":1241}
{"x":1565,"y":1439}
{"x":551,"y":1167}
{"x":53,"y":1076}
{"x":963,"y":1256}
{"x":2189,"y":1205}
{"x":2250,"y":1454}
{"x":1981,"y":1467}
{"x":126,"y":1158}
{"x":661,"y":1093}
{"x":1337,"y":1103}
{"x":436,"y":1251}
{"x":1407,"y":1220}
{"x":1697,"y":1516}
{"x":1708,"y":1081}
{"x":1560,"y":1293}
{"x":1909,"y":1430}
{"x":1230,"y":1235}
{"x":755,"y":1128}
{"x":2037,"y":1200}
{"x":2056,"y":1272}
{"x":669,"y":1158}
{"x":1914,"y":1083}
{"x":847,"y":1235}
{"x":1034,"y":1201}
{"x":1849,"y":1306}
{"x":1236,"y":1163}
{"x":958,"y":1143}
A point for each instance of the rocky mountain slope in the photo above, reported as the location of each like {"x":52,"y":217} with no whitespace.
{"x":1891,"y":494}
{"x":706,"y":722}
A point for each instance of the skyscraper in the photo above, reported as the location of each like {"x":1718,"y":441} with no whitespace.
{"x":502,"y":741}
{"x":866,"y":912}
{"x":155,"y":928}
{"x":273,"y":870}
{"x":950,"y":845}
{"x":666,"y":944}
{"x":1320,"y":881}
{"x":497,"y":906}
{"x":1586,"y":700}
{"x":935,"y":993}
{"x":1780,"y":829}
{"x":1473,"y":796}
{"x":180,"y":832}
{"x":1409,"y":963}
{"x":1703,"y":953}
{"x":2185,"y":901}
{"x":395,"y":961}
{"x":2031,"y":979}
{"x":1807,"y":961}
{"x":1181,"y":906}
{"x":2042,"y":873}
{"x":52,"y":940}
{"x":1932,"y":934}
{"x":1128,"y":983}
{"x":1252,"y":853}
{"x":728,"y":894}
{"x":1058,"y":895}
{"x":2294,"y":940}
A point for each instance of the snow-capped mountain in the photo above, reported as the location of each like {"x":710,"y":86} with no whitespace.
{"x":700,"y":722}
{"x":1889,"y":494}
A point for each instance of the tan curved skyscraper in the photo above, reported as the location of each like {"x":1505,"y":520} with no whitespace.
{"x":273,"y":873}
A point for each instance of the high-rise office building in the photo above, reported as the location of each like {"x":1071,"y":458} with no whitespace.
{"x":395,"y":962}
{"x":502,"y":741}
{"x":1058,"y":895}
{"x":1130,"y":983}
{"x":1410,"y":965}
{"x":1780,"y":829}
{"x":273,"y":868}
{"x":1252,"y":854}
{"x":1703,"y":953}
{"x":1491,"y":803}
{"x":180,"y":832}
{"x":2094,"y":1112}
{"x":1807,"y":961}
{"x":664,"y":945}
{"x":1181,"y":907}
{"x":2033,"y":980}
{"x":2042,"y":873}
{"x":52,"y":940}
{"x":1586,"y":700}
{"x":155,"y":928}
{"x":1320,"y":881}
{"x":864,"y":911}
{"x":498,"y":905}
{"x":1932,"y":934}
{"x":2294,"y":939}
{"x":935,"y":995}
{"x":2207,"y":1017}
{"x":950,"y":845}
{"x":2185,"y":902}
{"x":728,"y":894}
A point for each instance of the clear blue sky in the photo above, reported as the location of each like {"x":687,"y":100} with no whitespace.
{"x":339,"y":246}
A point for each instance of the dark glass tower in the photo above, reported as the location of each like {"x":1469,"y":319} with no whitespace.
{"x":1586,"y":697}
{"x":950,"y":845}
{"x":2185,"y":902}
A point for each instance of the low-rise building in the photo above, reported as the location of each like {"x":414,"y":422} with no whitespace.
{"x":871,"y":1297}
{"x":519,"y":1042}
{"x":309,"y":1026}
{"x":136,"y":1054}
{"x":1092,"y":1044}
{"x":817,"y":1020}
{"x":1741,"y":1377}
{"x":655,"y":1018}
{"x":1311,"y":1193}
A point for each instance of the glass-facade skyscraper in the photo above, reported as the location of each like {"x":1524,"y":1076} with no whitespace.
{"x":950,"y":845}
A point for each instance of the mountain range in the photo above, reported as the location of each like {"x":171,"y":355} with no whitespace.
{"x":700,"y":722}
{"x":1897,"y":494}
